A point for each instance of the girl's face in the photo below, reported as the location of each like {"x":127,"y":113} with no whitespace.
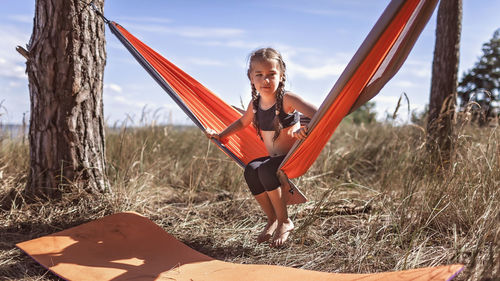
{"x":265,"y":75}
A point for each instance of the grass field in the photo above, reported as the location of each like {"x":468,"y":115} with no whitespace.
{"x":377,"y":203}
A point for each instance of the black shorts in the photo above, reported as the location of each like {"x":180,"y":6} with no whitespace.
{"x":260,"y":174}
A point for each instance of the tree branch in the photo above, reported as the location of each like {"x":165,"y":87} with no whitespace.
{"x":23,"y":52}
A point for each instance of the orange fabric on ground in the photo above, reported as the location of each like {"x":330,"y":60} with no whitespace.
{"x":128,"y":246}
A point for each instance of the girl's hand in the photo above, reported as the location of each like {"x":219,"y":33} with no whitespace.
{"x":211,"y":134}
{"x":300,"y":133}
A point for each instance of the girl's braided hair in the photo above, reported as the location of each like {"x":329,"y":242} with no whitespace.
{"x":268,"y":54}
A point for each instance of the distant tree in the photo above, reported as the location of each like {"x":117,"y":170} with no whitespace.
{"x":419,"y":117}
{"x":444,"y":78}
{"x":364,"y":114}
{"x":481,"y":84}
{"x":65,"y":65}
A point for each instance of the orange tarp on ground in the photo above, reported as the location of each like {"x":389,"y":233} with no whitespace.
{"x":128,"y":246}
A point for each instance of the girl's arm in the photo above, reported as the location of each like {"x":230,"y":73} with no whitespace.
{"x":293,"y":102}
{"x":237,"y":125}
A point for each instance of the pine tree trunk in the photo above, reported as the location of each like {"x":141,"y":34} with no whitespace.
{"x":444,"y":79}
{"x":65,"y":70}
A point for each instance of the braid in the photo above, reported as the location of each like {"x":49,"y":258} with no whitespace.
{"x":268,"y":54}
{"x":255,"y":103}
{"x":280,"y":93}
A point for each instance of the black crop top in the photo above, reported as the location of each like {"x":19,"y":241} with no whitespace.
{"x":266,"y":118}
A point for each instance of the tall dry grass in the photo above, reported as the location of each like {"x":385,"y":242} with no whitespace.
{"x":377,"y":203}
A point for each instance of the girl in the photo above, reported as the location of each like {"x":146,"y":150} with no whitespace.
{"x":273,"y":112}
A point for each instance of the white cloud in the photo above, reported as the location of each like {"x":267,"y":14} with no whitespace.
{"x":145,"y":19}
{"x":290,"y":51}
{"x":11,"y":37}
{"x":21,"y":18}
{"x":421,"y":72}
{"x":14,"y":84}
{"x":393,"y":100}
{"x":317,"y":67}
{"x":239,"y":44}
{"x":328,"y":68}
{"x":122,"y":100}
{"x":12,"y":64}
{"x":325,"y":12}
{"x":190,"y":31}
{"x":388,"y":103}
{"x":205,"y":62}
{"x":419,"y":69}
{"x":405,"y":84}
{"x":199,"y":32}
{"x":11,"y":69}
{"x":326,"y":8}
{"x":113,"y":87}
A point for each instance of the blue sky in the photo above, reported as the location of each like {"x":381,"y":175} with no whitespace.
{"x":211,"y":41}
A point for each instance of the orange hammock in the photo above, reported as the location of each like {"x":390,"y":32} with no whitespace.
{"x":376,"y":61}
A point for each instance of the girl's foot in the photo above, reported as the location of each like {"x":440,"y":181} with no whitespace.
{"x":268,"y":231}
{"x":282,"y":232}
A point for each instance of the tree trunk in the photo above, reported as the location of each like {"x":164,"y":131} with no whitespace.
{"x":65,"y":70}
{"x":444,"y":79}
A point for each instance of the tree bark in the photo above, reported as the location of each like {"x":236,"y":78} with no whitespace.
{"x":65,"y":69}
{"x":444,"y":79}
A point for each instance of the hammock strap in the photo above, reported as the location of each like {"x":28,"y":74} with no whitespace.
{"x":93,"y":6}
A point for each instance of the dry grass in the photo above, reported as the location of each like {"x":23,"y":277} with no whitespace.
{"x":376,"y":203}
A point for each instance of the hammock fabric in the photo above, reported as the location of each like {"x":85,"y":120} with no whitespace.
{"x":376,"y":61}
{"x":205,"y":108}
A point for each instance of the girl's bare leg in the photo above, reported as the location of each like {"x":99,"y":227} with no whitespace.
{"x":285,"y":185}
{"x":272,"y":223}
{"x":285,"y":225}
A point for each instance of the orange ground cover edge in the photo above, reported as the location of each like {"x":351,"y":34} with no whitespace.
{"x":128,"y":246}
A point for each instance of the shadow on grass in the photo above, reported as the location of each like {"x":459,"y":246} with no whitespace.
{"x":207,"y":246}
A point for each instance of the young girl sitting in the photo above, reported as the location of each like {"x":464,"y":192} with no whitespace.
{"x":274,"y":113}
